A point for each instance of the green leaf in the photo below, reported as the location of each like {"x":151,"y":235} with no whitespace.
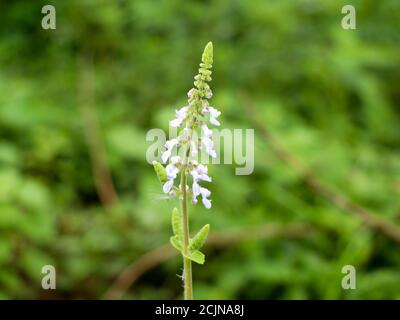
{"x":197,"y":256}
{"x":176,"y":243}
{"x":160,"y":171}
{"x":176,"y":223}
{"x":199,"y":239}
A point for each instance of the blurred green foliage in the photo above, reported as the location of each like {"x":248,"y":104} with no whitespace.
{"x":330,"y":96}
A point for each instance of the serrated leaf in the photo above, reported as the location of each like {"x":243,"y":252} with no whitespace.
{"x":176,"y":243}
{"x":199,"y":239}
{"x":176,"y":223}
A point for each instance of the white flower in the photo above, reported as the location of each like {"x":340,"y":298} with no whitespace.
{"x":206,"y":131}
{"x":180,"y":116}
{"x":214,"y":114}
{"x":168,"y":185}
{"x":200,"y":173}
{"x":196,"y":189}
{"x":170,"y":144}
{"x":172,"y":171}
{"x":205,"y":193}
{"x":176,"y":122}
{"x":209,"y":145}
{"x":206,"y":139}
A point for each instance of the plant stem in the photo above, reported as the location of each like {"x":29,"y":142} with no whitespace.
{"x":187,"y":263}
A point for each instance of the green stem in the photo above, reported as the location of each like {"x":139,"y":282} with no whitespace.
{"x":187,"y":263}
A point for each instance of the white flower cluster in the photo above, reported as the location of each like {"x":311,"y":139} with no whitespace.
{"x":189,"y":117}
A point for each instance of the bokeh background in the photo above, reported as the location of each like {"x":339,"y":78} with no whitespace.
{"x":76,"y":191}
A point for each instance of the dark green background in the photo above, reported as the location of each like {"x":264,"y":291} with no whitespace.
{"x":329,"y":96}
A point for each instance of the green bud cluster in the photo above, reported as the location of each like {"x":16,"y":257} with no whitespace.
{"x":202,"y":90}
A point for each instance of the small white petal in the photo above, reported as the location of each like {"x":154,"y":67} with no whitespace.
{"x":214,"y":112}
{"x":176,"y":123}
{"x":181,"y":113}
{"x":196,"y":189}
{"x":209,"y":144}
{"x":214,"y":121}
{"x":171,"y":171}
{"x":206,"y":202}
{"x":171,"y":143}
{"x":205,"y":193}
{"x":168,"y":185}
{"x":165,"y":156}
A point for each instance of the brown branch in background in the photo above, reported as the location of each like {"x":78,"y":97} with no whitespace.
{"x":340,"y":201}
{"x":220,"y":239}
{"x":102,"y":177}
